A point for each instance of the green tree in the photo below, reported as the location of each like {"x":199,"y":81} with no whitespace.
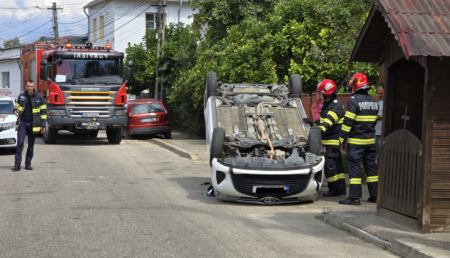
{"x":15,"y":42}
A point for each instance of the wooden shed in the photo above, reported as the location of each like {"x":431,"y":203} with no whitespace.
{"x":410,"y":42}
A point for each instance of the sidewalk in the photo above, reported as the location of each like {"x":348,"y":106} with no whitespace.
{"x":397,"y":233}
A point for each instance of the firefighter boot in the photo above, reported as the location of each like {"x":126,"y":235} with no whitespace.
{"x":350,"y":201}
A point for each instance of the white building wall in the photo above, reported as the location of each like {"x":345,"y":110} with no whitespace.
{"x":9,"y":62}
{"x":128,"y":23}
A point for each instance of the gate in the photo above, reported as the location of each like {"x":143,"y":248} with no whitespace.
{"x":399,"y":176}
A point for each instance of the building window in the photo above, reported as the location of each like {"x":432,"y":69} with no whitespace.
{"x":94,"y":30}
{"x":5,"y":80}
{"x":150,"y":23}
{"x":101,"y":29}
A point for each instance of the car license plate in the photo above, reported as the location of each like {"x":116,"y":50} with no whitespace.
{"x":90,"y":114}
{"x":148,"y":120}
{"x":270,"y":189}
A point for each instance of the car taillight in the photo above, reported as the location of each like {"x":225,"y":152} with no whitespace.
{"x":121,"y":98}
{"x":56,"y":96}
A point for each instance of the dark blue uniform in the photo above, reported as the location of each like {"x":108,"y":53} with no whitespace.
{"x":359,"y":130}
{"x":331,"y":119}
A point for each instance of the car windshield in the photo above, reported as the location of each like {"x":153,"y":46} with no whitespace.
{"x":147,"y":108}
{"x":89,"y":71}
{"x":6,"y":107}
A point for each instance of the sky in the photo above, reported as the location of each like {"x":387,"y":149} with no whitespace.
{"x":20,"y":18}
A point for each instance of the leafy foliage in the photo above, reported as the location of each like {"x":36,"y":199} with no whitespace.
{"x":261,"y":41}
{"x":15,"y":42}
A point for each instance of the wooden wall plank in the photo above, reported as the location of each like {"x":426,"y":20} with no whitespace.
{"x":439,"y":195}
{"x":440,"y":212}
{"x":441,"y":150}
{"x":440,"y":186}
{"x":440,"y":203}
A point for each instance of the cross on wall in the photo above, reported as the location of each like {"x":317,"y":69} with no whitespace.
{"x":405,"y":117}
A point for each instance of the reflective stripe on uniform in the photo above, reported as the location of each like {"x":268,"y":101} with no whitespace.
{"x":44,"y":117}
{"x":355,"y":181}
{"x":36,"y":129}
{"x":328,"y":121}
{"x":340,"y":121}
{"x":19,"y":108}
{"x":361,"y":141}
{"x":350,"y":115}
{"x":43,"y":107}
{"x":330,"y":142}
{"x":333,"y":114}
{"x":36,"y":110}
{"x":333,"y":178}
{"x":346,"y":128}
{"x":341,"y":176}
{"x":366,"y":118}
{"x":372,"y":179}
{"x":323,"y":128}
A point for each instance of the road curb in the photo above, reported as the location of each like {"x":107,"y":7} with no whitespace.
{"x":177,"y":150}
{"x":404,"y":247}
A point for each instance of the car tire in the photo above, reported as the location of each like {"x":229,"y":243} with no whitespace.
{"x":50,"y":136}
{"x":315,"y":140}
{"x":114,"y":135}
{"x":216,"y":147}
{"x":168,"y":135}
{"x":126,"y":135}
{"x":295,"y":84}
{"x":93,"y":134}
{"x":211,"y":84}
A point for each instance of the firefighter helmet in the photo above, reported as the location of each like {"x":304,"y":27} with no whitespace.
{"x":358,"y":82}
{"x":327,"y":87}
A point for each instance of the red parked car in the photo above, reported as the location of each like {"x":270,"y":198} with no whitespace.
{"x":147,"y":116}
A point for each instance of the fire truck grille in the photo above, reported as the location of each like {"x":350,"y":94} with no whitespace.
{"x":81,"y":98}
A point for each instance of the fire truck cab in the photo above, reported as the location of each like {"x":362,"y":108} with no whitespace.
{"x":84,"y":87}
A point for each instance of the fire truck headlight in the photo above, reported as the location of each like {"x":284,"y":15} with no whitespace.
{"x":120,"y":112}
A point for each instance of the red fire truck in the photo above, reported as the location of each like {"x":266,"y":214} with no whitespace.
{"x":84,"y":87}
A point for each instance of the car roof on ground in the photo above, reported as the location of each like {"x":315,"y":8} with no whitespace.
{"x":134,"y":101}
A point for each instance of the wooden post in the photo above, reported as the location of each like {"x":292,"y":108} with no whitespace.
{"x":427,"y":148}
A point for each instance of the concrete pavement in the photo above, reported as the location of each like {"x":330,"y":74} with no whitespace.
{"x":361,"y":220}
{"x":87,"y":198}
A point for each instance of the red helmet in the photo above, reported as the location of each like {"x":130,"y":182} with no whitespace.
{"x":327,"y":87}
{"x":359,"y":81}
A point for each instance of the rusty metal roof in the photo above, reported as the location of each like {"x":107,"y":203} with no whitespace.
{"x":421,"y":27}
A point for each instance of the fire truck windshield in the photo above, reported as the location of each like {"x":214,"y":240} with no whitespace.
{"x":89,"y":71}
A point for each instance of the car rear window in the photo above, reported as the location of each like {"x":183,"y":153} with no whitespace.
{"x":6,"y":107}
{"x":146,"y":108}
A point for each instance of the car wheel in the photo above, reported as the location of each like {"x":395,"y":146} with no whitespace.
{"x":168,"y":134}
{"x":295,"y":84}
{"x":211,"y":84}
{"x":126,"y":135}
{"x":216,"y":147}
{"x":114,"y":135}
{"x":315,"y":140}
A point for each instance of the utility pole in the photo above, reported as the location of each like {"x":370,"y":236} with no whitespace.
{"x":179,"y":10}
{"x":55,"y":21}
{"x":158,"y":44}
{"x":162,"y":43}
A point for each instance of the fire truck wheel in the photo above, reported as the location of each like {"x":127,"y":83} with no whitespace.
{"x":114,"y":135}
{"x":50,"y":136}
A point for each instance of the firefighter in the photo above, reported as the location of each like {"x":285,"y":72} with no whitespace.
{"x":358,"y":131}
{"x":31,"y":110}
{"x":331,"y":119}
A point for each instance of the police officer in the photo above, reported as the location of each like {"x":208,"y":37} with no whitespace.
{"x":31,"y":110}
{"x":331,"y":119}
{"x":359,"y":132}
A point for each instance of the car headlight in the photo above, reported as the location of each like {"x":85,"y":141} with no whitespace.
{"x":60,"y":112}
{"x":7,"y":126}
{"x":120,"y":112}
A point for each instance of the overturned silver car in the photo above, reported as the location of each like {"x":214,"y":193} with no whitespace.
{"x":259,"y":148}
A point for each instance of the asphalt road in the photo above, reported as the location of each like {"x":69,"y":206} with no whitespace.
{"x":87,"y":198}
